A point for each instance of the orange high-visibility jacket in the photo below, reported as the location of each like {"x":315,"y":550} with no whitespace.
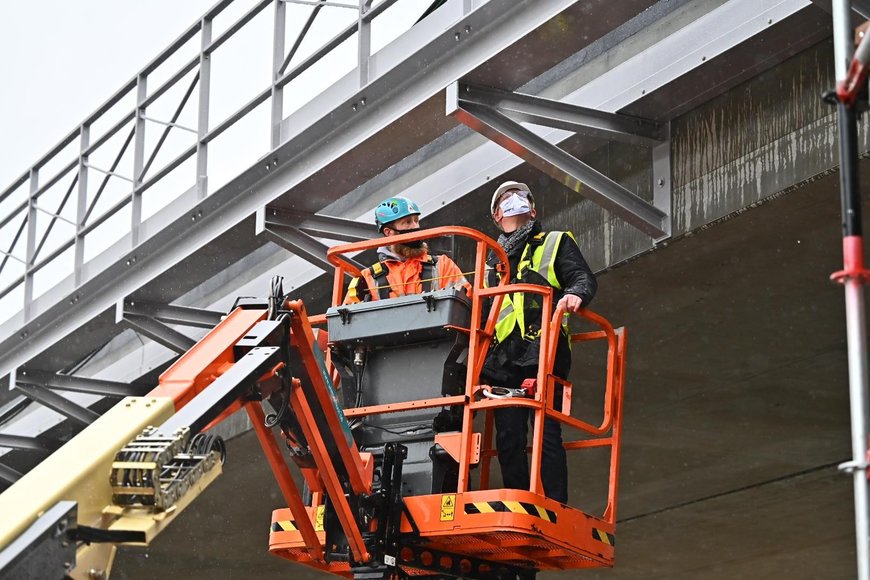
{"x":392,"y":277}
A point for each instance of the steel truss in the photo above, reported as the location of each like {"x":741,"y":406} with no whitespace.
{"x":55,"y":402}
{"x":296,"y":231}
{"x":39,"y":446}
{"x":148,"y":318}
{"x":497,"y":115}
{"x":153,"y":320}
{"x":474,"y":36}
{"x":9,"y":475}
{"x":76,"y":384}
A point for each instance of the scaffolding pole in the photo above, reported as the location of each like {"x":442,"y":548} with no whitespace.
{"x":851,"y":74}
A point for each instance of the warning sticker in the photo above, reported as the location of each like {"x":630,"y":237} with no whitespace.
{"x":448,"y":507}
{"x":318,"y":519}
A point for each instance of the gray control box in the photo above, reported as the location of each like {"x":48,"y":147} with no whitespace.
{"x":415,"y":318}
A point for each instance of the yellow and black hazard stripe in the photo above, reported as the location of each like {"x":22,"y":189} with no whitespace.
{"x":517,"y":507}
{"x":284,"y":526}
{"x":603,"y":536}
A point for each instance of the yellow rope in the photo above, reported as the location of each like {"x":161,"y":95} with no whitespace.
{"x":469,"y":273}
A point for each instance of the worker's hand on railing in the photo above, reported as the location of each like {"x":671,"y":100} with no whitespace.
{"x":860,"y":32}
{"x":570,"y":303}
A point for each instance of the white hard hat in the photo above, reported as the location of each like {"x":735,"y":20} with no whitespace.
{"x":508,"y":186}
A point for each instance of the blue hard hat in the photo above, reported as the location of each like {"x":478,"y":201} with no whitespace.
{"x":392,"y":209}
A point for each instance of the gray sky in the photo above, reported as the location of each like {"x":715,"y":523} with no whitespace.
{"x":62,"y":59}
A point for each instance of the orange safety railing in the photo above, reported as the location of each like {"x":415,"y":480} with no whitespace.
{"x":606,"y":434}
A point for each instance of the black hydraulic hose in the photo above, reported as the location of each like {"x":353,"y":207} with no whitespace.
{"x":273,"y":419}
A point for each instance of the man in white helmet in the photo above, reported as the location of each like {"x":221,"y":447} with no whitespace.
{"x":548,"y":259}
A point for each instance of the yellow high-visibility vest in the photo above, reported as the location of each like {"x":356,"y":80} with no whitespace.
{"x":543,"y":262}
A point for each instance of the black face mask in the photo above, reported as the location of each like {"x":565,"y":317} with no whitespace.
{"x":413,"y":245}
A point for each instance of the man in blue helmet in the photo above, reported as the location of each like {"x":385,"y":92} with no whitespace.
{"x":405,"y":268}
{"x":544,"y":258}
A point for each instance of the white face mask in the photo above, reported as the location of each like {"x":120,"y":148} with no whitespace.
{"x":516,"y":204}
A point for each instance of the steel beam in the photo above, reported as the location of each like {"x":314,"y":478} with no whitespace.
{"x":30,"y":248}
{"x":171,"y":314}
{"x":558,"y":115}
{"x":364,"y":43}
{"x":9,"y":475}
{"x":205,"y":28}
{"x":559,"y":164}
{"x":76,"y":384}
{"x":300,"y":244}
{"x":138,"y":159}
{"x":661,"y":166}
{"x":158,"y":332}
{"x":319,"y":225}
{"x":279,"y":33}
{"x":296,"y":241}
{"x":82,"y":200}
{"x":55,"y":402}
{"x":43,"y":445}
{"x":13,"y":407}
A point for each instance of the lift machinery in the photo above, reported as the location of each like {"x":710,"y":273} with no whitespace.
{"x":382,"y":412}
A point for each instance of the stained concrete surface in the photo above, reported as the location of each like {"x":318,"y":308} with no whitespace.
{"x":736,"y":409}
{"x":736,"y":414}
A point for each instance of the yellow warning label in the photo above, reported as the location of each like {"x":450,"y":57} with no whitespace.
{"x":318,"y":519}
{"x":448,"y":507}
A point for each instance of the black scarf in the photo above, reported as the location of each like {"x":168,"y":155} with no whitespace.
{"x":517,"y":239}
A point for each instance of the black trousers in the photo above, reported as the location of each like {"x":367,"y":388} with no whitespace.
{"x":512,"y":426}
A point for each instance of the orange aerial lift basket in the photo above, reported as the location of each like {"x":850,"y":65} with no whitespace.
{"x":399,"y":473}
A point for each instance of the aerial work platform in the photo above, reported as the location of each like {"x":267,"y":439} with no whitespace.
{"x":397,"y":477}
{"x":451,"y":518}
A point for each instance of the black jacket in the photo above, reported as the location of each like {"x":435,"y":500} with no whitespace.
{"x":515,"y":359}
{"x":572,"y":271}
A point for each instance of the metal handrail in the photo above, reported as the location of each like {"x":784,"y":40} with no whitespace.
{"x":85,"y":221}
{"x":480,"y":332}
{"x":610,"y":392}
